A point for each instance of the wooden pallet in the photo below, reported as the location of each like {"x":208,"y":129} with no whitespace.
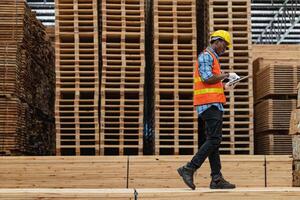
{"x":234,"y":16}
{"x":77,"y":78}
{"x":123,"y":75}
{"x":272,"y":144}
{"x":174,"y":33}
{"x":273,"y":114}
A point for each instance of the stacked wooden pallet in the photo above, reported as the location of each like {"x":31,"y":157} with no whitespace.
{"x":275,"y":83}
{"x":277,"y":79}
{"x":27,"y":82}
{"x":123,"y":74}
{"x":234,"y":16}
{"x":174,"y":57}
{"x":77,"y":77}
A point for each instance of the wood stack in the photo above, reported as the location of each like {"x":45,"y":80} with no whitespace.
{"x":294,"y":131}
{"x":123,"y":74}
{"x":277,"y":73}
{"x":26,"y":83}
{"x":77,"y":77}
{"x":174,"y":33}
{"x":234,"y":16}
{"x":138,"y":171}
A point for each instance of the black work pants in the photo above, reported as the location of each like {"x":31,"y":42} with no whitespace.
{"x":210,"y":124}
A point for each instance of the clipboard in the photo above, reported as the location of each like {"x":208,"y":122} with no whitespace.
{"x":238,"y":80}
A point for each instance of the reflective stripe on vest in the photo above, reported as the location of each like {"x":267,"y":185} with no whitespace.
{"x":209,"y":90}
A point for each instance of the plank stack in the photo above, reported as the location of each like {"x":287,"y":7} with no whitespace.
{"x":234,"y":16}
{"x":77,"y":77}
{"x":294,"y":131}
{"x":123,"y":74}
{"x":175,"y":48}
{"x":26,"y":82}
{"x":277,"y":73}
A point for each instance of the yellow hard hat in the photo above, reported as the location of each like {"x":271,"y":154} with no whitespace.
{"x":224,"y":35}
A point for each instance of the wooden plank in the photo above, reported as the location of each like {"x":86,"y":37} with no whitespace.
{"x":275,"y":52}
{"x":38,"y":193}
{"x":142,"y":174}
{"x":63,"y":172}
{"x":279,"y":171}
{"x":239,"y":193}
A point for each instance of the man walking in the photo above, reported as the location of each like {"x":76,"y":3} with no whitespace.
{"x":209,"y":99}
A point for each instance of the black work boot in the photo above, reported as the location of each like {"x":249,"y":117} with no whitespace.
{"x":187,"y":175}
{"x":221,"y":183}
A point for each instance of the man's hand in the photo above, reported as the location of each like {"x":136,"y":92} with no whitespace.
{"x":233,"y":76}
{"x":229,"y":86}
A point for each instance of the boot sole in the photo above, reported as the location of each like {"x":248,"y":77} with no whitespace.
{"x":180,"y":173}
{"x":224,"y":188}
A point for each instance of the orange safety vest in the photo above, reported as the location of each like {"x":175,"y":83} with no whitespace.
{"x":208,"y":93}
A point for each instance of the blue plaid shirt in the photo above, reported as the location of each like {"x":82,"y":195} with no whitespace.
{"x":205,"y":69}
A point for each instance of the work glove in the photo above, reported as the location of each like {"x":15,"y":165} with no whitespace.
{"x":233,"y":76}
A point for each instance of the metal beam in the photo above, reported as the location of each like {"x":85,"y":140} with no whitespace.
{"x":282,"y":37}
{"x":270,"y":28}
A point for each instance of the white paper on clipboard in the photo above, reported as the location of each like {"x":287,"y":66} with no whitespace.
{"x":238,"y":80}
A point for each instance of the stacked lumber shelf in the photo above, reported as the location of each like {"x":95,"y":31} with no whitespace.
{"x":174,"y":58}
{"x":27,"y":82}
{"x":277,"y":73}
{"x":277,"y":79}
{"x":77,"y":77}
{"x":234,"y":16}
{"x":123,"y":74}
{"x":271,"y":144}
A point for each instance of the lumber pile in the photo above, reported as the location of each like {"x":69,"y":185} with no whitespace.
{"x":26,"y":82}
{"x":77,"y":78}
{"x":153,"y":194}
{"x":234,"y":16}
{"x":138,"y":171}
{"x":294,"y":132}
{"x":276,"y":75}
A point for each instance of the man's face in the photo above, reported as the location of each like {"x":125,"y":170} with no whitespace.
{"x":221,"y":47}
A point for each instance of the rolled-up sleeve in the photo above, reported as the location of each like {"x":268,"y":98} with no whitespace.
{"x":205,"y":65}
